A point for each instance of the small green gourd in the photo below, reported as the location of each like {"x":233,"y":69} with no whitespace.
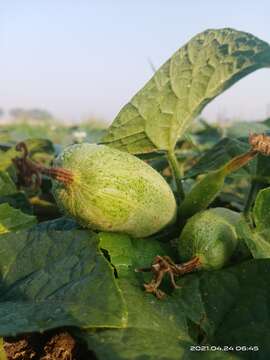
{"x":207,"y":242}
{"x":202,"y":194}
{"x":211,"y":237}
{"x":111,"y":190}
{"x":206,"y":190}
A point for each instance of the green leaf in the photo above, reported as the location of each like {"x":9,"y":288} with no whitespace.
{"x":63,"y":223}
{"x":128,"y":254}
{"x":155,"y":329}
{"x":260,"y":178}
{"x":233,"y":305}
{"x":219,"y":155}
{"x":237,"y":183}
{"x":240,"y":129}
{"x":261,"y":244}
{"x":219,"y":308}
{"x":17,"y":200}
{"x":225,"y":150}
{"x":263,"y":169}
{"x":12,"y":219}
{"x":159,"y":114}
{"x":257,"y":241}
{"x":204,"y":134}
{"x":53,"y":279}
{"x":7,"y":186}
{"x":261,"y":210}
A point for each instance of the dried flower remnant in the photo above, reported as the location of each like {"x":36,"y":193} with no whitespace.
{"x":29,"y":172}
{"x":260,"y":143}
{"x":163,"y":265}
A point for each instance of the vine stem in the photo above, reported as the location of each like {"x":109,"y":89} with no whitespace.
{"x":253,"y":189}
{"x":255,"y":186}
{"x":174,"y":165}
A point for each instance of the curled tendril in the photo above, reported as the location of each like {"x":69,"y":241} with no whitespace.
{"x":29,"y":173}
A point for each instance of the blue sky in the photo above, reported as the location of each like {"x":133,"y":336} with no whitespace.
{"x":88,"y":58}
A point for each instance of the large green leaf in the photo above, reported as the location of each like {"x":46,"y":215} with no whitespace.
{"x":229,"y":307}
{"x":208,"y":64}
{"x":155,"y":329}
{"x":13,"y":219}
{"x":56,"y":278}
{"x":233,"y":306}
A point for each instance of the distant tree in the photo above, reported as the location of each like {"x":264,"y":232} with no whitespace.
{"x":2,"y":112}
{"x":17,"y":112}
{"x":34,"y":114}
{"x":39,"y":114}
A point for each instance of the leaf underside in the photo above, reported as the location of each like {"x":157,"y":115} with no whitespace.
{"x":159,"y":114}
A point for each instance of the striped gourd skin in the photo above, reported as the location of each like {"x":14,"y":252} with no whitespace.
{"x":113,"y":191}
{"x":210,"y":235}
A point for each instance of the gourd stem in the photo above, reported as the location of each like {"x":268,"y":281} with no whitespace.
{"x":59,"y":174}
{"x":174,"y":165}
{"x":188,"y":266}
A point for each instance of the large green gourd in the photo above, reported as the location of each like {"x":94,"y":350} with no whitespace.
{"x":211,"y":236}
{"x":114,"y":191}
